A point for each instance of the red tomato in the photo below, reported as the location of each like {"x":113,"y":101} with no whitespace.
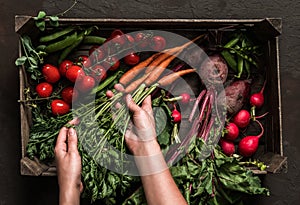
{"x":59,"y":107}
{"x":119,"y":39}
{"x":98,"y":73}
{"x":111,"y":63}
{"x":84,"y":60}
{"x":141,"y":39}
{"x":50,"y":73}
{"x":132,"y":59}
{"x":96,"y":53}
{"x":158,"y":43}
{"x":86,"y":84}
{"x":116,"y":32}
{"x":63,"y":67}
{"x":69,"y":94}
{"x":44,"y":89}
{"x":75,"y":73}
{"x":130,"y":39}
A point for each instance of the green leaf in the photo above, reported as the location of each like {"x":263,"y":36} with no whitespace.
{"x":41,"y":25}
{"x":54,"y":23}
{"x":21,"y":60}
{"x":41,"y":15}
{"x":53,"y":18}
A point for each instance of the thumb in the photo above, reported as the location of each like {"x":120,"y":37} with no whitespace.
{"x":132,"y":106}
{"x":72,"y":140}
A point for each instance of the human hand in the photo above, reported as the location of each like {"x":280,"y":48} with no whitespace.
{"x":140,"y":135}
{"x":68,"y":163}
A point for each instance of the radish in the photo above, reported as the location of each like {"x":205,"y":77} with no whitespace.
{"x":183,"y":97}
{"x":242,"y":118}
{"x":227,"y":147}
{"x":176,"y":115}
{"x":257,"y":99}
{"x":249,"y":144}
{"x":232,"y":131}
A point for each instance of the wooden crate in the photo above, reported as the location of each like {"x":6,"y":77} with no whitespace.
{"x":266,"y":30}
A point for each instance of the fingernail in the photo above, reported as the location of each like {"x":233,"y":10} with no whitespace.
{"x":71,"y":131}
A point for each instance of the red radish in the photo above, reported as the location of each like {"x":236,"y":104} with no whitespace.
{"x":257,"y":99}
{"x":232,"y":131}
{"x":242,"y":119}
{"x":249,"y":144}
{"x":176,"y":115}
{"x":183,"y":97}
{"x":227,"y":147}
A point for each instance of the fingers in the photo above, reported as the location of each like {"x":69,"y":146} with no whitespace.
{"x":72,"y":140}
{"x":119,"y":87}
{"x":131,"y":104}
{"x":61,"y":140}
{"x":147,"y":105}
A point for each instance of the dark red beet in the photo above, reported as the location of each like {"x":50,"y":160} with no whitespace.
{"x":236,"y":94}
{"x":214,"y":70}
{"x":249,"y":144}
{"x":227,"y":147}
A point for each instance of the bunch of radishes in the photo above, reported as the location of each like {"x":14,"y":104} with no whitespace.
{"x":248,"y":145}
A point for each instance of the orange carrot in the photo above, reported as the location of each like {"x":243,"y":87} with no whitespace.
{"x":132,"y":86}
{"x":169,"y":52}
{"x":169,"y":79}
{"x":133,"y":72}
{"x":153,"y":61}
{"x":156,"y":73}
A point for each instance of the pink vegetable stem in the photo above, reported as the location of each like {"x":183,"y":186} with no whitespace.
{"x":199,"y":98}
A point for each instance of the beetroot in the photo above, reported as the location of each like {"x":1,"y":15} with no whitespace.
{"x":232,"y":131}
{"x":236,"y":94}
{"x":249,"y":144}
{"x":242,"y":118}
{"x":227,"y":146}
{"x":214,"y":70}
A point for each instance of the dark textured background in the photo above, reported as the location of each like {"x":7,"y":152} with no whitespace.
{"x":16,"y":189}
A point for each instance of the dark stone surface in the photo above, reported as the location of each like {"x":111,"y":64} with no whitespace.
{"x":16,"y":189}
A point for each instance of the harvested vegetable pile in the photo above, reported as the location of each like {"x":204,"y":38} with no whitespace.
{"x":199,"y":122}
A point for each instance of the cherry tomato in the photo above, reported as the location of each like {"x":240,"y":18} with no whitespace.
{"x":86,"y":84}
{"x":84,"y":60}
{"x":96,"y":53}
{"x":44,"y":89}
{"x":158,"y":43}
{"x":50,"y":73}
{"x":116,"y":32}
{"x":120,"y":40}
{"x":130,"y":39}
{"x":111,"y":63}
{"x":98,"y":73}
{"x":132,"y":59}
{"x":69,"y":94}
{"x":141,"y":40}
{"x":75,"y":73}
{"x":59,"y":107}
{"x":63,"y":67}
